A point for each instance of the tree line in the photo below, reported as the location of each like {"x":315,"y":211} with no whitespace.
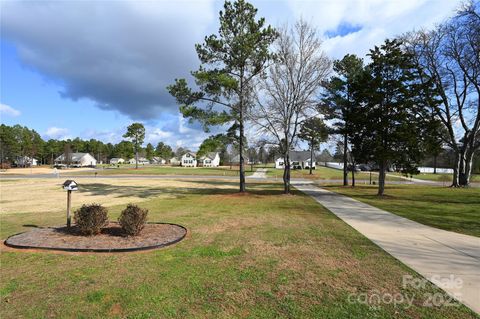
{"x":416,"y":94}
{"x":18,"y":141}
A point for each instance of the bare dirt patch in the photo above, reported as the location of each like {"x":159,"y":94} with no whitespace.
{"x":111,"y":238}
{"x":47,"y":195}
{"x":44,"y":170}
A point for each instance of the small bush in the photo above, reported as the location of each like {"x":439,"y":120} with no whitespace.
{"x":91,"y":218}
{"x":133,"y":219}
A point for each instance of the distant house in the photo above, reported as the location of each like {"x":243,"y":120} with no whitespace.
{"x":211,"y":159}
{"x":158,"y":160}
{"x":117,"y":160}
{"x":189,"y":159}
{"x":25,"y":161}
{"x":298,"y":160}
{"x":141,"y":161}
{"x":174,"y":161}
{"x":76,"y":160}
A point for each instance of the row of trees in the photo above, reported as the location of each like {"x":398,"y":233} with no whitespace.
{"x":404,"y":103}
{"x":419,"y":94}
{"x":18,"y":141}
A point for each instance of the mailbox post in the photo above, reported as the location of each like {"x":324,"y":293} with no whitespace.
{"x":69,"y":185}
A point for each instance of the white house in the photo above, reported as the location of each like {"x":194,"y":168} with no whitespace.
{"x":26,"y":161}
{"x":211,"y":159}
{"x":141,"y":161}
{"x":117,"y":160}
{"x":76,"y":160}
{"x":174,"y":161}
{"x":158,"y":160}
{"x":298,"y":160}
{"x":189,"y":159}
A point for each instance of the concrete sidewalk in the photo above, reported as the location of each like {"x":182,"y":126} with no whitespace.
{"x":434,"y":253}
{"x":259,"y":173}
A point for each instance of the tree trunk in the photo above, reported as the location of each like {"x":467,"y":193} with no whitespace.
{"x":286,"y":175}
{"x":435,"y":164}
{"x":136,"y":159}
{"x":456,"y":168}
{"x":353,"y":175}
{"x":465,"y":172}
{"x":311,"y":157}
{"x":242,"y":168}
{"x":345,"y":161}
{"x":381,"y":178}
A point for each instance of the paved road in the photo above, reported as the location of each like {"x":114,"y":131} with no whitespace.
{"x":434,"y":253}
{"x":260,"y":174}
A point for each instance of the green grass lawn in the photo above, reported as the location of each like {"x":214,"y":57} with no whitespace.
{"x":451,"y":209}
{"x":166,"y":170}
{"x":447,"y":178}
{"x":262,"y":255}
{"x":327,"y":173}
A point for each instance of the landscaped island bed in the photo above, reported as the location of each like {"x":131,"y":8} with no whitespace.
{"x":111,"y":238}
{"x":260,"y":255}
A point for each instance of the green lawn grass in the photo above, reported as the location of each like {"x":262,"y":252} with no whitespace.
{"x":165,"y":170}
{"x":451,"y":209}
{"x":447,"y":178}
{"x":262,"y":255}
{"x":327,"y":173}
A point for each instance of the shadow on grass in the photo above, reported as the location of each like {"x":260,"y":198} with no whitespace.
{"x":102,"y":189}
{"x":417,"y":194}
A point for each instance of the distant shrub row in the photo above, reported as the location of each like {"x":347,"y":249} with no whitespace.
{"x":90,"y":219}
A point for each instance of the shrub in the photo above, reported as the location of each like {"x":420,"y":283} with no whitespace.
{"x":91,"y":218}
{"x":133,"y":219}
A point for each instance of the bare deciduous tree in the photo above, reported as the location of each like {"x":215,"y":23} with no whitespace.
{"x":450,"y":57}
{"x":289,"y":93}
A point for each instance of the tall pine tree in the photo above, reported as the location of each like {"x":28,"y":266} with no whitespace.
{"x":231,"y":61}
{"x":389,"y":124}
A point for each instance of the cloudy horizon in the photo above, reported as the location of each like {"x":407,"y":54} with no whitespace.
{"x":88,"y":69}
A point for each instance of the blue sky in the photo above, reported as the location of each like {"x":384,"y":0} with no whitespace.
{"x":89,"y":69}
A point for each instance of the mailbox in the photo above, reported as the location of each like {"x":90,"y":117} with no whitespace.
{"x":70,"y":185}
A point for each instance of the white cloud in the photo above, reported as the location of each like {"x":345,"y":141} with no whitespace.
{"x":8,"y":110}
{"x":154,"y":135}
{"x":379,"y":20}
{"x":57,"y":133}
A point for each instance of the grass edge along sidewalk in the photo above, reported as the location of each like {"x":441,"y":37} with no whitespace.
{"x":438,"y":255}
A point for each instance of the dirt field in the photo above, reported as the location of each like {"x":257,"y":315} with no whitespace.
{"x":47,"y":195}
{"x":43,"y":170}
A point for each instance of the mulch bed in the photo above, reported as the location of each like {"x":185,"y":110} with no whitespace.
{"x":111,"y":239}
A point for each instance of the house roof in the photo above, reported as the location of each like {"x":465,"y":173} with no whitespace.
{"x":210,"y":155}
{"x":74,"y":157}
{"x":191,"y":153}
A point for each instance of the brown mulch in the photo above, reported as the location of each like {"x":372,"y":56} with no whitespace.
{"x":110,"y":239}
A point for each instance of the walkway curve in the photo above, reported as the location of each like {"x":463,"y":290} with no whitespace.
{"x":433,"y":253}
